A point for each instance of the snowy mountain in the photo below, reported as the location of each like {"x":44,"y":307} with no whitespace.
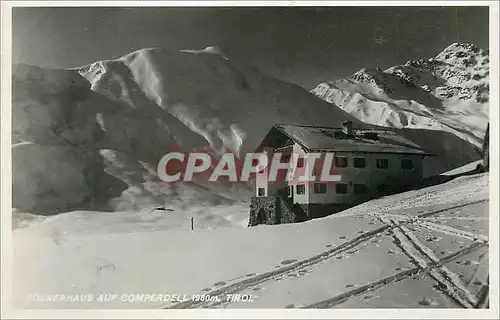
{"x":86,"y":135}
{"x":91,"y":137}
{"x":449,"y":92}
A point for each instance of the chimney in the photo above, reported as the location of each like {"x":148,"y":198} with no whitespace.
{"x":347,"y":127}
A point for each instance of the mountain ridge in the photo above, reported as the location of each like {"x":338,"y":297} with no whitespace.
{"x":448,"y":92}
{"x":111,"y":121}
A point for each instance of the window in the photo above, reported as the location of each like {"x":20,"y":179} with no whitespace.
{"x":341,"y":162}
{"x":285,"y":191}
{"x":320,"y":188}
{"x":360,"y":188}
{"x":359,"y":162}
{"x":285,"y":158}
{"x":261,"y":192}
{"x":341,"y":188}
{"x":406,"y":164}
{"x":301,"y":189}
{"x":382,"y":163}
{"x":300,"y":162}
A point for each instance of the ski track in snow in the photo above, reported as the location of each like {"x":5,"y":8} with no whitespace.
{"x":453,"y":286}
{"x":269,"y":276}
{"x":422,"y":256}
{"x":440,"y":227}
{"x":483,"y":301}
{"x":338,"y":299}
{"x":453,"y":231}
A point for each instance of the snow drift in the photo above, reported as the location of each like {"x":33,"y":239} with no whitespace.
{"x":91,"y":137}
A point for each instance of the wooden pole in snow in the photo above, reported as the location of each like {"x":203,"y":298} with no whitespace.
{"x":192,"y":223}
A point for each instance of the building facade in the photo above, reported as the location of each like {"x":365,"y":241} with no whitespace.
{"x":368,"y":163}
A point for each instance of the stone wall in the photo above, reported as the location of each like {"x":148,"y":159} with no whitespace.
{"x":289,"y":212}
{"x":280,"y":210}
{"x":260,"y":206}
{"x":274,"y":210}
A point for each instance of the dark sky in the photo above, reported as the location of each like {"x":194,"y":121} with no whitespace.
{"x":298,"y":44}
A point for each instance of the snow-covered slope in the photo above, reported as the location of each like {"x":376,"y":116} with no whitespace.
{"x":421,"y":249}
{"x":449,"y":92}
{"x":114,"y":120}
{"x":91,"y":137}
{"x":225,"y":104}
{"x":464,"y":169}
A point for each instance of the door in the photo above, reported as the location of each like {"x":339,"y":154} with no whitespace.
{"x":261,"y":216}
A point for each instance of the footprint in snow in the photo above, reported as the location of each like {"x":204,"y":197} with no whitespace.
{"x":352,"y":251}
{"x":477,"y":283}
{"x":206,"y":289}
{"x":427,"y":302}
{"x":469,"y":263}
{"x":250,"y":274}
{"x":220,"y":283}
{"x":342,"y":237}
{"x":440,"y":286}
{"x":328,"y":245}
{"x":361,"y":231}
{"x":339,"y":257}
{"x":349,"y":286}
{"x":288,"y":261}
{"x":391,"y":252}
{"x":256,"y":289}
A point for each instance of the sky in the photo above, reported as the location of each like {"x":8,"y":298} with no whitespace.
{"x":302,"y":45}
